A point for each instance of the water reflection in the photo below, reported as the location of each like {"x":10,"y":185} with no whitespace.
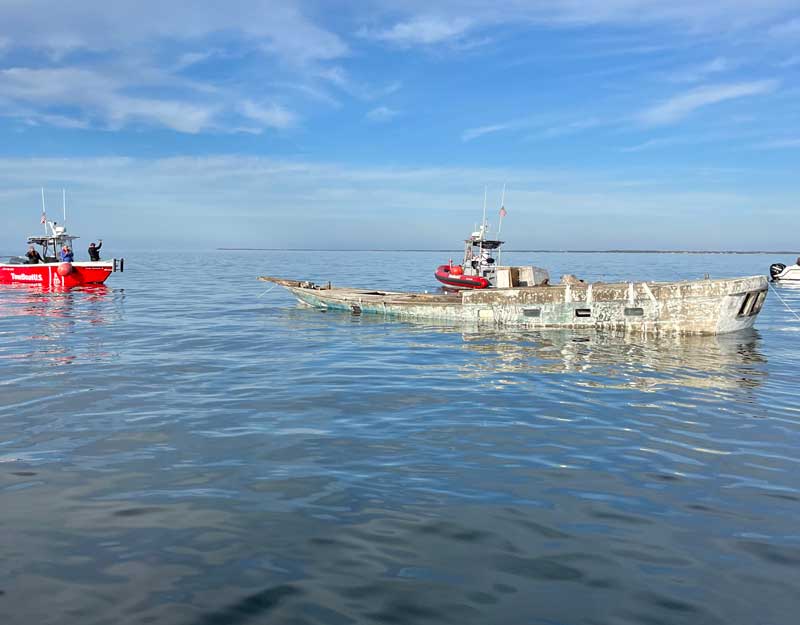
{"x":46,"y":323}
{"x":599,"y":359}
{"x":620,"y":360}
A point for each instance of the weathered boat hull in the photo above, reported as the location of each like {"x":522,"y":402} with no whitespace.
{"x":691,"y":307}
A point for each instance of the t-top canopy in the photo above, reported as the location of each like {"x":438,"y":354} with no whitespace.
{"x":485,"y":243}
{"x":52,"y":240}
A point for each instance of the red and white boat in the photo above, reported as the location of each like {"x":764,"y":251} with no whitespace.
{"x":50,"y":271}
{"x":478,"y":270}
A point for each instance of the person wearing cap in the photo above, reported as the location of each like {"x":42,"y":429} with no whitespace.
{"x":66,"y":255}
{"x":94,"y":251}
{"x":34,"y":258}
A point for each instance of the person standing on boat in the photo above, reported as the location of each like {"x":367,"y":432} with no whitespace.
{"x":94,"y":251}
{"x":34,"y":258}
{"x":66,"y":255}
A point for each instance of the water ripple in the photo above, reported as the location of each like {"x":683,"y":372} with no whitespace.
{"x":187,"y":452}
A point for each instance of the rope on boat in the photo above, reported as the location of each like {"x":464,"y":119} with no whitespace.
{"x":268,"y":290}
{"x":774,"y":290}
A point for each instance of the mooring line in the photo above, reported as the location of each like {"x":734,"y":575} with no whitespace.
{"x":774,"y":290}
{"x":268,"y":290}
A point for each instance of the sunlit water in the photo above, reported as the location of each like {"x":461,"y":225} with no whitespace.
{"x":189,"y":447}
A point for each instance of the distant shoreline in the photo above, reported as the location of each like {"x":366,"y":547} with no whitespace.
{"x":304,"y":249}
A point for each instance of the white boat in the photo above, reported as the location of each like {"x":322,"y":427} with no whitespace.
{"x":785,"y":273}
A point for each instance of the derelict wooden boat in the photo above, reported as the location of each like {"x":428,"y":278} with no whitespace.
{"x":687,"y":307}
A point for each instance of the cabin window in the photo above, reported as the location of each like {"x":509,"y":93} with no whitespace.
{"x":634,"y":312}
{"x":532,"y":312}
{"x":583,"y":312}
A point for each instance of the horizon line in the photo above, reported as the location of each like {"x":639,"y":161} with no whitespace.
{"x":610,"y":251}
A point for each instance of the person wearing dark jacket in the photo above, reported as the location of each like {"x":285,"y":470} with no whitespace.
{"x":94,"y":251}
{"x":34,"y":258}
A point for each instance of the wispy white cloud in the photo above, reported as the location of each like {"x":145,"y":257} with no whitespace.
{"x":130,"y":68}
{"x":455,"y":19}
{"x":59,"y":121}
{"x":702,"y":71}
{"x":45,"y":90}
{"x":474,"y":133}
{"x":189,"y":59}
{"x":142,"y":199}
{"x":682,"y":105}
{"x":268,"y":115}
{"x":381,"y":114}
{"x":341,"y":79}
{"x":423,"y":29}
{"x":278,"y":27}
{"x":571,"y":128}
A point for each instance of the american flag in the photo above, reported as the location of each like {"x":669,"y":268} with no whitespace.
{"x":503,"y":212}
{"x":44,"y":218}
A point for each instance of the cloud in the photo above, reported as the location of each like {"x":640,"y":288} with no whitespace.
{"x":170,"y":199}
{"x":381,"y":114}
{"x":571,"y":128}
{"x":411,"y":22}
{"x":702,"y":71}
{"x":680,"y":106}
{"x":269,"y":116}
{"x":112,"y":65}
{"x":342,"y":80}
{"x":102,"y":101}
{"x":423,"y":30}
{"x":278,"y":27}
{"x":474,"y":133}
{"x":46,"y":90}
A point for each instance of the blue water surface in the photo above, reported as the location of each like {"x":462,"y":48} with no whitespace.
{"x":189,"y":446}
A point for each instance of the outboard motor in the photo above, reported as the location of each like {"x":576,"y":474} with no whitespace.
{"x":775,"y":270}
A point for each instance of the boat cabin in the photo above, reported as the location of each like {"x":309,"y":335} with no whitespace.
{"x":479,"y":255}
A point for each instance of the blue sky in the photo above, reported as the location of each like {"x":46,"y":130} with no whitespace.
{"x":614,"y":124}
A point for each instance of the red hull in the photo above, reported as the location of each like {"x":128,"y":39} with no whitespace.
{"x":459,"y":280}
{"x":48,"y":275}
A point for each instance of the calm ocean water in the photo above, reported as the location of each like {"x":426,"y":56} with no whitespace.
{"x":187,"y":447}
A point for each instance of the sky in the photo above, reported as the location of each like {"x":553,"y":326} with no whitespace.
{"x":616,"y":124}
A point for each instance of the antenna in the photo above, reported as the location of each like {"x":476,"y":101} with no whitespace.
{"x":44,"y":213}
{"x":483,"y":224}
{"x":502,"y":210}
{"x":64,"y":204}
{"x":502,"y":214}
